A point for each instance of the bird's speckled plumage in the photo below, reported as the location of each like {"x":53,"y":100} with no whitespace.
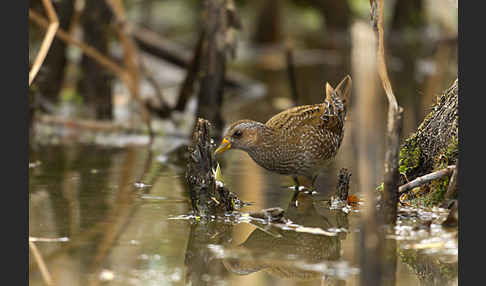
{"x":297,"y":141}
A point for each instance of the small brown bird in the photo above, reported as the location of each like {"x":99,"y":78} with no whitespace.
{"x":298,"y":141}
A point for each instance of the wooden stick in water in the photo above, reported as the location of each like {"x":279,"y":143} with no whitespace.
{"x":426,"y":179}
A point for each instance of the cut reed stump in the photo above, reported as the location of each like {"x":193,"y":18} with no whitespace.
{"x":342,"y":188}
{"x":208,"y":196}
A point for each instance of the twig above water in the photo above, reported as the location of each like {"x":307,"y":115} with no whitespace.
{"x":426,"y":179}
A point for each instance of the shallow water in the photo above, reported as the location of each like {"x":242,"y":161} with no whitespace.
{"x":119,"y":231}
{"x":112,"y":215}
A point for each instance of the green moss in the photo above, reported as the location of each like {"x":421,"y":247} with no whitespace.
{"x":409,"y":156}
{"x":452,"y":151}
{"x":380,"y":187}
{"x":448,"y":271}
{"x":438,"y":190}
{"x":439,"y":186}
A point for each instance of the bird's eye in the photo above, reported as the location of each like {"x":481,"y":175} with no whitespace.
{"x":237,"y":134}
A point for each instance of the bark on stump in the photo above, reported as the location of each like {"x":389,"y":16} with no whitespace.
{"x":208,"y":197}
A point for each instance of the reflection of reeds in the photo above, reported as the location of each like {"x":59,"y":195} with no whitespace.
{"x":107,"y":231}
{"x":119,"y":218}
{"x":46,"y":276}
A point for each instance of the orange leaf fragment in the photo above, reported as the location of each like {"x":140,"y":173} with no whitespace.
{"x":352,"y":199}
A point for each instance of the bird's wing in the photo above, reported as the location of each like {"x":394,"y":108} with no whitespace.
{"x":318,"y":115}
{"x":329,"y":115}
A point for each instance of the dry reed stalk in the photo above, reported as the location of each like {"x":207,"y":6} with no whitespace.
{"x":394,"y":124}
{"x":125,"y":74}
{"x":52,"y":28}
{"x":46,"y":276}
{"x":130,"y":59}
{"x":88,"y":50}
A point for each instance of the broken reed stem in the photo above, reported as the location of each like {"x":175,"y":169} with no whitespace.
{"x":289,"y":54}
{"x":46,"y":276}
{"x":426,"y":178}
{"x":392,"y":174}
{"x":208,"y":196}
{"x":343,"y":184}
{"x":394,"y":124}
{"x":199,"y":175}
{"x":52,"y":28}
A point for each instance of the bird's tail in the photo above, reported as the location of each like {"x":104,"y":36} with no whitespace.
{"x":337,"y":98}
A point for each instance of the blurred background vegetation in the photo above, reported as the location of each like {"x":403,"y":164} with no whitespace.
{"x":421,"y":39}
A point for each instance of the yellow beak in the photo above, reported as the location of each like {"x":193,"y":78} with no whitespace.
{"x":225,"y":145}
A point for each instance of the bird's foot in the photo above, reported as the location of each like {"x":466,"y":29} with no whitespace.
{"x":300,"y":190}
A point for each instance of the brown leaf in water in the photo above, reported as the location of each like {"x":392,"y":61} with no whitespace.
{"x":352,"y":199}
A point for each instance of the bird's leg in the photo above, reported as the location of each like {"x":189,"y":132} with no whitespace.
{"x":293,"y":201}
{"x":296,"y":181}
{"x":314,"y":180}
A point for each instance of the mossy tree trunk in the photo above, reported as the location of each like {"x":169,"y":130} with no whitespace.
{"x":435,"y":144}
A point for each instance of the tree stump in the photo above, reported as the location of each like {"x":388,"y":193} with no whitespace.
{"x":208,"y":196}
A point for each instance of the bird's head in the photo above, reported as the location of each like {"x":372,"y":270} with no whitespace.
{"x":243,"y":134}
